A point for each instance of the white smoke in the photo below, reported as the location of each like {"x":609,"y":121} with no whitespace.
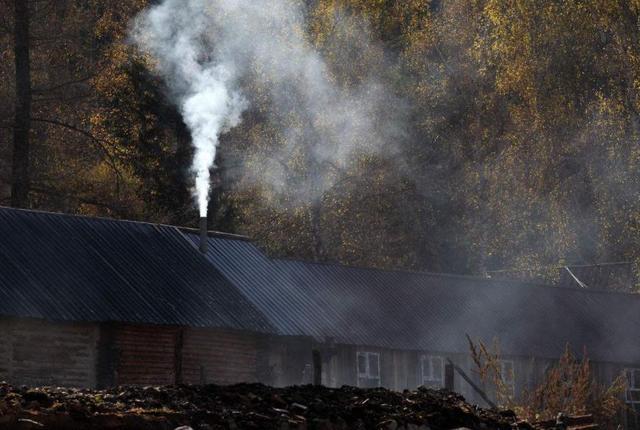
{"x":175,"y":33}
{"x":204,"y":49}
{"x":208,"y":111}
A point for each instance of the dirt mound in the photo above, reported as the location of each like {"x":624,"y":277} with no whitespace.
{"x":244,"y":406}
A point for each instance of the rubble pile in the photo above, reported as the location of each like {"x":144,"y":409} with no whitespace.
{"x":244,"y":406}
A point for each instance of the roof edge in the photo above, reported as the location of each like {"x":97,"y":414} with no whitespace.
{"x":232,"y":236}
{"x":514,"y":282}
{"x":211,"y":233}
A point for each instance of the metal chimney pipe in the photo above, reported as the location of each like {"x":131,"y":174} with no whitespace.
{"x":204,"y":244}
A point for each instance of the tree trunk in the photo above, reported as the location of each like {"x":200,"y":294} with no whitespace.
{"x":22,"y":127}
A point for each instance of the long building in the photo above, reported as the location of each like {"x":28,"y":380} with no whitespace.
{"x":95,"y":302}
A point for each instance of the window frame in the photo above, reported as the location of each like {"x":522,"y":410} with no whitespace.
{"x":366,"y":374}
{"x":429,"y":380}
{"x":630,"y":374}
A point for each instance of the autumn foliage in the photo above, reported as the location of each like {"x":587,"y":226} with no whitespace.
{"x":519,"y":144}
{"x":568,"y":386}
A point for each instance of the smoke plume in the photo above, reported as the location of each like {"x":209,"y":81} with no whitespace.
{"x":177,"y":34}
{"x":210,"y":52}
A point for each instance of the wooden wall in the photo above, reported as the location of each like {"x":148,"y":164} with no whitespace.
{"x":398,"y":369}
{"x":35,"y":352}
{"x":285,"y":361}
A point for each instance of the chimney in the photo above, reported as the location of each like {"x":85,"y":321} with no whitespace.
{"x":203,"y":235}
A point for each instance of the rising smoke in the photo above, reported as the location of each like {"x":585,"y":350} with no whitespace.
{"x":178,"y":35}
{"x":205,"y":50}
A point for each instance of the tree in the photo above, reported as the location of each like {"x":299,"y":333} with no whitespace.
{"x":22,"y":126}
{"x":147,"y":137}
{"x":517,"y":144}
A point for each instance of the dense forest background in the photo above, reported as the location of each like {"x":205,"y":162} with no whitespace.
{"x":518,"y":146}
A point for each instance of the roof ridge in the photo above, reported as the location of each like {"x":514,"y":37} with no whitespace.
{"x":101,"y":218}
{"x":406,"y":271}
{"x":232,"y":236}
{"x":562,"y":266}
{"x":465,"y":277}
{"x":213,"y":233}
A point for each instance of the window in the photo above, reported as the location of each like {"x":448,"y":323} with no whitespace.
{"x":368,"y":369}
{"x":508,"y":376}
{"x":432,"y":371}
{"x":632,"y":395}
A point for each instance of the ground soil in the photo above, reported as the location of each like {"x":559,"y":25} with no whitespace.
{"x":244,"y":406}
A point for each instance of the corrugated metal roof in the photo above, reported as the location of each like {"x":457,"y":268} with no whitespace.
{"x":435,"y":312}
{"x":72,"y":268}
{"x":62,"y":267}
{"x":424,"y":311}
{"x":603,"y":276}
{"x":262,"y":281}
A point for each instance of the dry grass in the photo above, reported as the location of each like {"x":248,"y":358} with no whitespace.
{"x":568,"y":387}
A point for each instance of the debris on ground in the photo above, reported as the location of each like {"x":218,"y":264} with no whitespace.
{"x":565,"y":422}
{"x":243,"y":406}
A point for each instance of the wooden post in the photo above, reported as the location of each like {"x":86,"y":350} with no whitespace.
{"x":317,"y":367}
{"x":472,"y":384}
{"x":177,"y":363}
{"x":448,"y":377}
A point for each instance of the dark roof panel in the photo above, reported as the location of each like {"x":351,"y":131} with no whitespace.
{"x":72,"y":268}
{"x":261,"y":281}
{"x":435,"y":312}
{"x":425,"y":311}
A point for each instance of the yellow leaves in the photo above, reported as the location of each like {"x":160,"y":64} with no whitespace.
{"x":503,"y":96}
{"x":113,"y":23}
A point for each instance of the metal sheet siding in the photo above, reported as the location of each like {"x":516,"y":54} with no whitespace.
{"x":71,"y":268}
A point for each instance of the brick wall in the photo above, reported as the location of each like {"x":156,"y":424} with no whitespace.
{"x":160,"y":355}
{"x":5,"y":350}
{"x":218,"y":356}
{"x":34,"y":352}
{"x":144,"y":355}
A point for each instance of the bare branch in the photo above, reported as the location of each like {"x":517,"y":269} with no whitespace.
{"x":61,"y":98}
{"x":95,"y":140}
{"x":120,"y":210}
{"x":37,"y":90}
